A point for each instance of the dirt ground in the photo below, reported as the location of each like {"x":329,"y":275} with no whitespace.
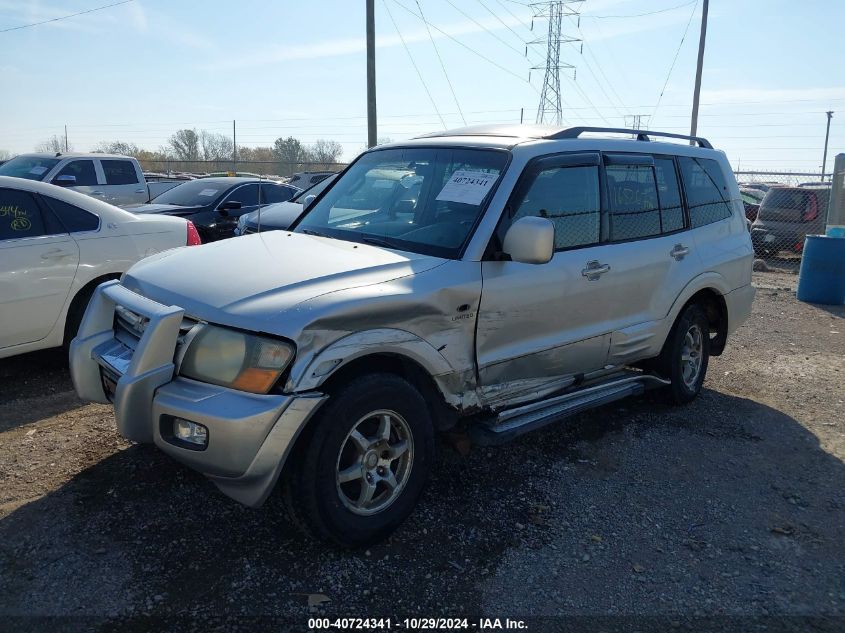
{"x":729,"y":512}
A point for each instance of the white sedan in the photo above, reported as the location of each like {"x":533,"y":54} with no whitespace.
{"x":56,"y":246}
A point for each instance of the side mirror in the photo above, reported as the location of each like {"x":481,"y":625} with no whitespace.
{"x":229,"y":205}
{"x":308,"y":201}
{"x":65,"y":180}
{"x":530,"y":240}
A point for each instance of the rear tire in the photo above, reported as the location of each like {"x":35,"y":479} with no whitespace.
{"x":75,"y":313}
{"x":364,"y":463}
{"x":685,"y":355}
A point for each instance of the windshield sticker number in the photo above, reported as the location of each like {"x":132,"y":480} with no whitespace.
{"x":468,"y":187}
{"x":38,"y":170}
{"x":208,"y":192}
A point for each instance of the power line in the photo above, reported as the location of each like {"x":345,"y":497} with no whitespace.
{"x":460,"y":43}
{"x":484,"y":28}
{"x":414,"y":64}
{"x":64,"y":17}
{"x":442,"y":65}
{"x":640,"y":15}
{"x":675,"y":59}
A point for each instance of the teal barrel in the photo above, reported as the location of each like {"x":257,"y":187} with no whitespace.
{"x":822,"y":275}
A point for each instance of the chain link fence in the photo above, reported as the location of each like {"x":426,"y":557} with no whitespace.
{"x":196,"y":168}
{"x":784,"y":207}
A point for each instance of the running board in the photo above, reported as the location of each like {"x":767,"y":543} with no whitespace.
{"x":512,"y":423}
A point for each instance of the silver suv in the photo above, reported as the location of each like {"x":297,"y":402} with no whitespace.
{"x":494,"y":279}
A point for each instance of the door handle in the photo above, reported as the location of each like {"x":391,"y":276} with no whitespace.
{"x":594,"y":270}
{"x":56,"y":253}
{"x":140,"y":191}
{"x":679,"y":252}
{"x":97,"y":193}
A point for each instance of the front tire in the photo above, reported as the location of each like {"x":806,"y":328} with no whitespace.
{"x":365,"y":462}
{"x":685,"y":355}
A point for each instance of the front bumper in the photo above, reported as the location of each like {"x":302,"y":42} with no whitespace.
{"x":249,"y":435}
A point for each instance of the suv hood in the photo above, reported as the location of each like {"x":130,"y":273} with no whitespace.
{"x":247,"y":281}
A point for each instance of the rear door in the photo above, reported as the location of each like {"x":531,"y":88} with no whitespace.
{"x":39,"y":261}
{"x":124,"y":184}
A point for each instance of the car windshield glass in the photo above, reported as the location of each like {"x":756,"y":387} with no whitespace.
{"x":31,"y":167}
{"x":194,"y":193}
{"x":313,"y":190}
{"x":425,"y":200}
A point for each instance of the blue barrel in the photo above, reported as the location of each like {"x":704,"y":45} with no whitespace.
{"x":822,"y":275}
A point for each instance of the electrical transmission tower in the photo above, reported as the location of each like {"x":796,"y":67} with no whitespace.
{"x":549,"y":110}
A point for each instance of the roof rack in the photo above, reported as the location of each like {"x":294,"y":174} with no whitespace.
{"x":642,"y":135}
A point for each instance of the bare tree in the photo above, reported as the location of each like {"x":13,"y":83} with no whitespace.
{"x":118,"y":147}
{"x":185,"y":144}
{"x":215,"y":146}
{"x":54,"y":144}
{"x":325,"y":152}
{"x":5,"y":154}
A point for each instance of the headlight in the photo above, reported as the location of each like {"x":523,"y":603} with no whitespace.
{"x":235,"y":359}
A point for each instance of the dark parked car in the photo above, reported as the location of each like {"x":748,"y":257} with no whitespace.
{"x":751,"y":199}
{"x":280,"y":216}
{"x":786,"y":216}
{"x":215,"y":204}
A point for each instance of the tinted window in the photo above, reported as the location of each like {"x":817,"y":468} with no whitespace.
{"x":247,"y":195}
{"x":72,"y":218}
{"x":707,"y":193}
{"x":669,"y":194}
{"x":633,"y":209}
{"x":119,"y":172}
{"x":276,"y":193}
{"x":30,"y":167}
{"x":569,"y":197}
{"x":83,"y":170}
{"x":21,"y":217}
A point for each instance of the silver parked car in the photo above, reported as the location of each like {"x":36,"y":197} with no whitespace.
{"x":493,"y":278}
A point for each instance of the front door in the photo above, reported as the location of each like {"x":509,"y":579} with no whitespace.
{"x":541,"y":325}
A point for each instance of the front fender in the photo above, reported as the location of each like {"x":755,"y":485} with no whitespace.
{"x":311,"y":372}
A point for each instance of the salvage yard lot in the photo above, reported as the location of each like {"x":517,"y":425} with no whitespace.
{"x":732,"y":505}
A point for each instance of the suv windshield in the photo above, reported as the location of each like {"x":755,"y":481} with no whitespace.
{"x":424,"y":200}
{"x":195,"y":193}
{"x":30,"y":167}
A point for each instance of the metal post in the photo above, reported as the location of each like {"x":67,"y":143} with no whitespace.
{"x":234,"y":147}
{"x":836,"y":208}
{"x":66,"y":145}
{"x":697,"y":92}
{"x":521,"y":115}
{"x":372,"y":134}
{"x":826,"y":137}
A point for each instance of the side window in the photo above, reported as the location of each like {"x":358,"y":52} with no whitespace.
{"x":20,"y":216}
{"x":119,"y":172}
{"x":82,"y":170}
{"x":671,"y":210}
{"x":707,"y":194}
{"x":72,"y":218}
{"x":633,"y":209}
{"x":569,"y":197}
{"x":276,"y":193}
{"x":247,"y":195}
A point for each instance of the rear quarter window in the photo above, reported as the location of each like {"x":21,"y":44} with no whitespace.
{"x":72,"y":218}
{"x":707,"y":192}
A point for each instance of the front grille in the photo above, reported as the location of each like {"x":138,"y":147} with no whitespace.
{"x":129,"y":327}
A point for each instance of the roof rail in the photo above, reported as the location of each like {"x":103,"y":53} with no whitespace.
{"x":642,"y":135}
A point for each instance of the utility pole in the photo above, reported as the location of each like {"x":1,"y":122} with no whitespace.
{"x":549,"y":111}
{"x":372,"y":134}
{"x":234,"y":146}
{"x":66,"y":145}
{"x":826,"y":137}
{"x":697,"y":93}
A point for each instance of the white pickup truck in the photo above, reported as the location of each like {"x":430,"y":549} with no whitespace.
{"x":112,"y":178}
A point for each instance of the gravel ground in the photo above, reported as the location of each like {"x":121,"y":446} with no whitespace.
{"x":731,"y":506}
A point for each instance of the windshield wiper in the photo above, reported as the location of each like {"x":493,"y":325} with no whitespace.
{"x":375,"y":241}
{"x":312,"y":232}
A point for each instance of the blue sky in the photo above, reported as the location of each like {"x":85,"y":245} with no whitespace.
{"x":138,"y":71}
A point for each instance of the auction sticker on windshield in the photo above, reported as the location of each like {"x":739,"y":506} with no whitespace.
{"x":208,"y":192}
{"x":468,"y":187}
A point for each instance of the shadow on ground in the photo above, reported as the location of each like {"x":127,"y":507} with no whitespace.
{"x":138,"y":533}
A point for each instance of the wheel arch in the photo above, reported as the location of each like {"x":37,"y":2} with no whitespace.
{"x":83,"y":294}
